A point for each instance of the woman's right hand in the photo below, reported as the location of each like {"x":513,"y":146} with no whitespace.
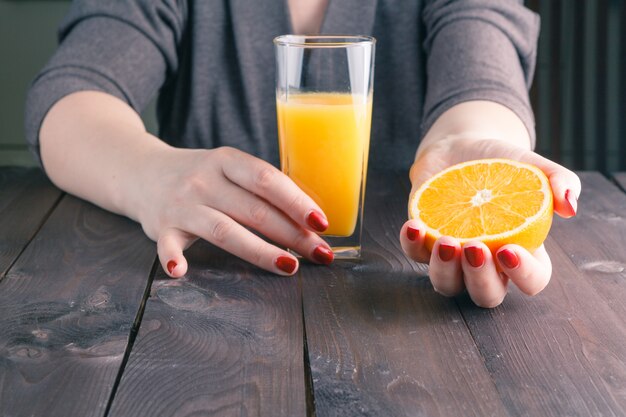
{"x":94,"y":145}
{"x":219,"y":195}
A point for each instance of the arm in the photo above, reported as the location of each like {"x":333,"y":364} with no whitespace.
{"x":479,"y":50}
{"x":451,"y":275}
{"x":94,"y":146}
{"x":92,"y":143}
{"x":82,"y":121}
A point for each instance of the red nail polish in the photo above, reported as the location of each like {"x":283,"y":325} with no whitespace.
{"x":317,"y":221}
{"x":286,"y":264}
{"x":171,"y":265}
{"x":412,"y":233}
{"x":572,"y":200}
{"x":446,"y":252}
{"x":475,"y":256}
{"x":508,"y":258}
{"x":323,"y":255}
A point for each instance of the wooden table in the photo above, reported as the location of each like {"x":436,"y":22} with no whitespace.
{"x":91,"y":326}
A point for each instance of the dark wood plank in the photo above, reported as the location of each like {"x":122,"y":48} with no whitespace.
{"x":595,"y":239}
{"x":67,"y":307}
{"x":562,"y":352}
{"x":380,"y":341}
{"x":620,"y":178}
{"x":26,"y":198}
{"x":224,"y":340}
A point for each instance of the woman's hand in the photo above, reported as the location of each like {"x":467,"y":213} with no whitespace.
{"x":224,"y":196}
{"x":95,"y":146}
{"x":454,"y":267}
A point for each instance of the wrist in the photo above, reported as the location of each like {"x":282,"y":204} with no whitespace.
{"x":474,"y":121}
{"x":145,"y":164}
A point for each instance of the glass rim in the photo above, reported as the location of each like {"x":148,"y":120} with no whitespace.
{"x":323,"y":41}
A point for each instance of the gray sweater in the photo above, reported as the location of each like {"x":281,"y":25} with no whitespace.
{"x":212,"y":64}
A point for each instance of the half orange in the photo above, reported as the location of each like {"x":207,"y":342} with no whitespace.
{"x":496,"y":201}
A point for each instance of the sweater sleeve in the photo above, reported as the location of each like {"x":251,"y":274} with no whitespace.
{"x":123,"y":48}
{"x":479,"y":50}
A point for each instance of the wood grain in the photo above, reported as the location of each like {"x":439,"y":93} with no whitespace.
{"x":224,"y":340}
{"x":380,"y":341}
{"x":67,"y":307}
{"x":595,"y":240}
{"x":26,"y":198}
{"x":562,"y":352}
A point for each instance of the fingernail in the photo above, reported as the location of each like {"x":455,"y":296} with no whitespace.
{"x":412,"y":233}
{"x":474,"y":256}
{"x":572,"y":200}
{"x":317,"y":221}
{"x":446,"y":252}
{"x":286,"y":264}
{"x":323,"y":255}
{"x":171,"y":265}
{"x":508,"y":258}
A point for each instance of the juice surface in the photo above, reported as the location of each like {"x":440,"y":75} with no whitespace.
{"x":324,"y":144}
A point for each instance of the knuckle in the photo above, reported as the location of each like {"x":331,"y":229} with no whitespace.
{"x":221,"y":230}
{"x":223,"y":152}
{"x":193,"y":184}
{"x":257,"y":254}
{"x":295,"y":203}
{"x":259,"y":212}
{"x":217,"y":158}
{"x":299,"y":239}
{"x":264,"y":177}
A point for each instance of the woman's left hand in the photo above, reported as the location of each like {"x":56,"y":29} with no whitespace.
{"x":455,"y":267}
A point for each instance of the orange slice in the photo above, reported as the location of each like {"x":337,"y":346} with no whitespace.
{"x":496,"y":201}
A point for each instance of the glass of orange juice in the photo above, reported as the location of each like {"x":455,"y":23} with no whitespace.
{"x":324,"y":87}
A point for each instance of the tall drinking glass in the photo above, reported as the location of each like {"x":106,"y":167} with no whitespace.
{"x":324,"y":87}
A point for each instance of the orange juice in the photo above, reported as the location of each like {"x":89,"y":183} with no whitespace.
{"x":324,"y":144}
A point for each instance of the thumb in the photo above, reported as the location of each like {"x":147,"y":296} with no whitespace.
{"x":565,"y":184}
{"x":170,"y":248}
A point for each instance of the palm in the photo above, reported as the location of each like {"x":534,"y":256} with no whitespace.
{"x":451,"y":151}
{"x":484,"y":282}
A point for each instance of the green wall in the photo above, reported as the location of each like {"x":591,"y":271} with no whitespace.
{"x":27,"y":39}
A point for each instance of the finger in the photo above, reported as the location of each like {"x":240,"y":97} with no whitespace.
{"x":170,"y":246}
{"x":531,"y":273}
{"x":412,"y":241}
{"x":264,"y":180}
{"x":222,"y":231}
{"x":483,"y":282}
{"x":253,"y":211}
{"x":445,"y":270}
{"x":565,"y":185}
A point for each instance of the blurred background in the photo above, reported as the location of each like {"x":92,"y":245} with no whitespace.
{"x":579,"y":93}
